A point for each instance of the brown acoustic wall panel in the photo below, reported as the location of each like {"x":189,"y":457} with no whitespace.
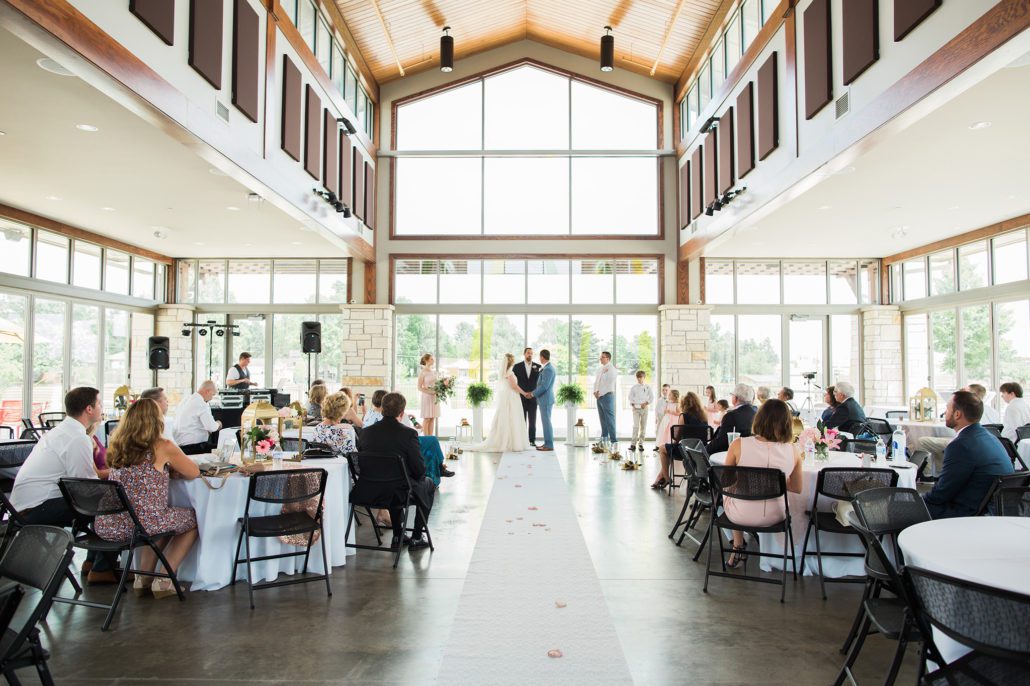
{"x":206,"y":40}
{"x":818,"y":58}
{"x":158,"y":15}
{"x":684,"y":213}
{"x":370,"y":196}
{"x":330,"y":153}
{"x":346,"y":165}
{"x":358,"y":176}
{"x":768,"y":108}
{"x":861,"y":22}
{"x":746,"y":130}
{"x":725,"y":132}
{"x":909,"y":14}
{"x":246,"y":65}
{"x":696,"y":183}
{"x":312,"y":132}
{"x":711,"y":176}
{"x":290,"y":119}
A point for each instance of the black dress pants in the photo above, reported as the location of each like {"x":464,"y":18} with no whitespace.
{"x":529,"y":410}
{"x":424,"y":491}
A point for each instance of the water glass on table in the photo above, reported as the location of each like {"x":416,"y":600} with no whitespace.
{"x":732,"y":436}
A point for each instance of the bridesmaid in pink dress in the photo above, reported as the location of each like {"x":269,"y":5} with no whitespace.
{"x":712,"y":407}
{"x":771,"y":445}
{"x":430,"y":407}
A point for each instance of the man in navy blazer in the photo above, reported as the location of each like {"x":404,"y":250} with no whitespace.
{"x":848,"y":410}
{"x":527,"y":374}
{"x":973,"y":460}
{"x":739,"y":419}
{"x":544,"y":395}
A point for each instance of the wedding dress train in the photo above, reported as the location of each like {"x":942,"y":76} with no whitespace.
{"x":508,"y":432}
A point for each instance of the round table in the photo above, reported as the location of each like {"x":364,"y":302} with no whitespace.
{"x":916,"y":430}
{"x":833,"y":567}
{"x":993,"y":551}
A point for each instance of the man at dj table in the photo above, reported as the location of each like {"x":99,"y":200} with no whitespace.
{"x":239,"y":376}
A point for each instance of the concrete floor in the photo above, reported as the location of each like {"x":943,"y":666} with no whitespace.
{"x":386,"y":626}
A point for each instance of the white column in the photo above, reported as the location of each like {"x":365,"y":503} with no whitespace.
{"x":177,"y":380}
{"x":685,"y":347}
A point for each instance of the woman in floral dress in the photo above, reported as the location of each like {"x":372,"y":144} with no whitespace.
{"x":430,"y":406}
{"x":333,"y":431}
{"x":141,"y":459}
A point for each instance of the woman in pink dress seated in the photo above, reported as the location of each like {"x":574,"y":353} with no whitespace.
{"x":771,"y":445}
{"x":430,"y":408}
{"x":687,"y":411}
{"x":141,"y":460}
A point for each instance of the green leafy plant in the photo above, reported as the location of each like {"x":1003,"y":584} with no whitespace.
{"x":570,"y":393}
{"x":478,"y":394}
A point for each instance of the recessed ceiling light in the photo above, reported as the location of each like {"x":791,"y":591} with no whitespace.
{"x":52,"y":197}
{"x":826,"y":207}
{"x":52,"y":66}
{"x":1012,"y":197}
{"x":160,"y":232}
{"x":980,"y":125}
{"x":3,"y":133}
{"x":295,"y":243}
{"x":899,"y":232}
{"x":86,"y":127}
{"x":198,"y":243}
{"x":107,"y":209}
{"x":233,"y":208}
{"x":953,"y":208}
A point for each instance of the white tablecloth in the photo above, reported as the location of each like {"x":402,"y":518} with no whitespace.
{"x":916,"y":430}
{"x":993,"y":551}
{"x":209,"y":565}
{"x":833,"y":567}
{"x":1023,"y":448}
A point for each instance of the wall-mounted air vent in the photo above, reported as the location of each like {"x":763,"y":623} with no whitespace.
{"x":843,"y":104}
{"x":223,"y":112}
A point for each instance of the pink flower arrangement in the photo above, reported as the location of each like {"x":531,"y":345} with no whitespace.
{"x":822,"y":438}
{"x":286,"y":412}
{"x":264,"y":447}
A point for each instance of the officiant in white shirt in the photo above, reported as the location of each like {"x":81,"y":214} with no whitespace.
{"x":604,"y":392}
{"x":194,"y":423}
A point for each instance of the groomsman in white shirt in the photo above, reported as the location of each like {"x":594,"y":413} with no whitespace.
{"x":194,"y":423}
{"x":641,"y":397}
{"x":604,"y":392}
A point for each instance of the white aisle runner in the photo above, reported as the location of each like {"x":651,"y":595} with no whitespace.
{"x":531,"y":589}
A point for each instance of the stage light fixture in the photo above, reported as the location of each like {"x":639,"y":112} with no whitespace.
{"x":607,"y":50}
{"x":220,"y":332}
{"x":710,"y":210}
{"x":710,"y":125}
{"x":202,"y":332}
{"x":446,"y":51}
{"x":344,"y":123}
{"x":185,"y":332}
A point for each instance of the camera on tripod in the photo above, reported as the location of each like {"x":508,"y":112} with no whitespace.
{"x":808,"y":375}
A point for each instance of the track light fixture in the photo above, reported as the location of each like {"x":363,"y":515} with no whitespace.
{"x":185,"y":332}
{"x":344,"y":123}
{"x":446,"y":51}
{"x":710,"y":125}
{"x":331,"y":198}
{"x":607,"y":50}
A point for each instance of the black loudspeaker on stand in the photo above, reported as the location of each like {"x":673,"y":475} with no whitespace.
{"x":158,"y":352}
{"x":310,"y":342}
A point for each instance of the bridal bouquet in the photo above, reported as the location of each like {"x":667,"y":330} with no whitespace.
{"x":822,"y":438}
{"x":444,"y":388}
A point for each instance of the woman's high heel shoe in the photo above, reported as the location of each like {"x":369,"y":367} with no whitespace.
{"x":162,"y":588}
{"x":738,"y":557}
{"x":140,"y":586}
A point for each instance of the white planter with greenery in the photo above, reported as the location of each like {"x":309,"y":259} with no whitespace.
{"x":571,"y":396}
{"x":478,"y":395}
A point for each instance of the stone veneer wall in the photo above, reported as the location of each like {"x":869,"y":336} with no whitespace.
{"x":368,"y":347}
{"x":882,"y":373}
{"x":178,"y":379}
{"x":685,"y":347}
{"x":141,"y":328}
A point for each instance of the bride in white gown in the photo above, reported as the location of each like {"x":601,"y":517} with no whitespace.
{"x":508,"y":432}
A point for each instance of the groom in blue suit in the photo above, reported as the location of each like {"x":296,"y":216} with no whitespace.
{"x":544,"y":394}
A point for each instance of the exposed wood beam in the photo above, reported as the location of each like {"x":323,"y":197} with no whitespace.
{"x":389,"y":38}
{"x":668,"y":33}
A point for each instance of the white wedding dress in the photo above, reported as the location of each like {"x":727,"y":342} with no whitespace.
{"x":508,"y":431}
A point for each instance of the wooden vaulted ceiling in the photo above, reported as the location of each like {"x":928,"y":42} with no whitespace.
{"x":413,"y":28}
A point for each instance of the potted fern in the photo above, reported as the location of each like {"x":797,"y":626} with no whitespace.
{"x":570,"y":395}
{"x":478,"y":395}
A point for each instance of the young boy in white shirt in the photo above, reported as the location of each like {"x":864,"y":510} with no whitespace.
{"x":641,"y":397}
{"x":659,"y":410}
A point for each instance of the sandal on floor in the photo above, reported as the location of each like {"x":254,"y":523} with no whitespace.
{"x":660,"y":484}
{"x":163,"y":588}
{"x":739,"y":556}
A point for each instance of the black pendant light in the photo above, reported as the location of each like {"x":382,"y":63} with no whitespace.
{"x":607,"y":50}
{"x":446,"y":51}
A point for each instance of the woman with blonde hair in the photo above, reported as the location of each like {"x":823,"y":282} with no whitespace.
{"x":429,"y":405}
{"x":141,"y":459}
{"x":316,"y":396}
{"x":339,"y":436}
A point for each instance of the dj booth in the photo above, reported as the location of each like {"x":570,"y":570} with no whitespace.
{"x":229,"y":404}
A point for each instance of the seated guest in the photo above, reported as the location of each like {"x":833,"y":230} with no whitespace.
{"x":787,"y":395}
{"x":690,"y":413}
{"x":158,"y":396}
{"x":736,"y":420}
{"x":991,"y":415}
{"x":332,"y":431}
{"x":142,"y":460}
{"x":352,"y":416}
{"x":375,"y":413}
{"x":316,"y":396}
{"x":390,"y":437}
{"x":1017,"y":411}
{"x":848,"y":410}
{"x":194,"y":423}
{"x":762,"y":394}
{"x":830,"y":398}
{"x":972,"y":461}
{"x":771,"y":446}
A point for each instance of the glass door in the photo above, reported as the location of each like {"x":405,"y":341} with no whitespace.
{"x":806,"y":340}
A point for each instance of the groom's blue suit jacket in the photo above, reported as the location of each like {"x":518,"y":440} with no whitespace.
{"x":544,"y":391}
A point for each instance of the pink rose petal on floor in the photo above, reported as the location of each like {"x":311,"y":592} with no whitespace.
{"x":560,"y":604}
{"x":533,"y":508}
{"x":554,"y":652}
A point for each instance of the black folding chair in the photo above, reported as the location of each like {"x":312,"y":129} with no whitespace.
{"x":879,"y":513}
{"x":896,"y":414}
{"x":1022,"y":432}
{"x":109,"y":428}
{"x":13,"y":454}
{"x":993,"y":622}
{"x":90,"y":498}
{"x":35,"y":559}
{"x":995,"y":429}
{"x":881,"y":428}
{"x":1017,"y":480}
{"x":1010,"y":448}
{"x":283,"y":487}
{"x":677,"y":433}
{"x":699,"y":491}
{"x":921,"y":459}
{"x":833,"y":483}
{"x":30,"y":431}
{"x":749,"y":483}
{"x":12,"y":522}
{"x":293,"y":445}
{"x":48,"y":420}
{"x":1012,"y":502}
{"x":388,"y":476}
{"x":858,"y":445}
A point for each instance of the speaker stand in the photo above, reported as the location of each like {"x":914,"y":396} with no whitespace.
{"x":309,"y":371}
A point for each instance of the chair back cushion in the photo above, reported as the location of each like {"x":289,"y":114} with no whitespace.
{"x":886,"y":511}
{"x":35,"y":555}
{"x":14,"y":453}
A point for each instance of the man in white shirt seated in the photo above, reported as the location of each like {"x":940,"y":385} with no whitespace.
{"x":159,"y":396}
{"x":239,"y":376}
{"x":64,"y":451}
{"x":1017,"y":411}
{"x":194,"y":423}
{"x":991,"y":415}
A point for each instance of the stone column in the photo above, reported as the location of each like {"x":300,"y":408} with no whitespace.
{"x":367,"y":347}
{"x":177,"y":380}
{"x":685,"y":347}
{"x":141,"y":328}
{"x":882,"y":373}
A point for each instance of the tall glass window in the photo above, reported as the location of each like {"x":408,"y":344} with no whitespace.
{"x":116,"y":350}
{"x":294,"y":281}
{"x":845,"y":348}
{"x":718,"y":282}
{"x":1012,"y":321}
{"x":973,"y":271}
{"x":12,"y":356}
{"x":85,"y":345}
{"x":51,"y":257}
{"x":759,"y":352}
{"x":942,"y":273}
{"x":87,"y":263}
{"x":751,"y":11}
{"x":758,"y":283}
{"x":48,"y":329}
{"x":804,"y":283}
{"x":116,"y":272}
{"x":250,"y":281}
{"x":732,"y":45}
{"x":332,"y":281}
{"x":722,"y":358}
{"x":915,"y":279}
{"x":1010,"y":256}
{"x":917,"y":351}
{"x":15,"y":248}
{"x":504,"y":282}
{"x":977,"y":338}
{"x":945,"y":352}
{"x":142,"y":278}
{"x":186,"y":281}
